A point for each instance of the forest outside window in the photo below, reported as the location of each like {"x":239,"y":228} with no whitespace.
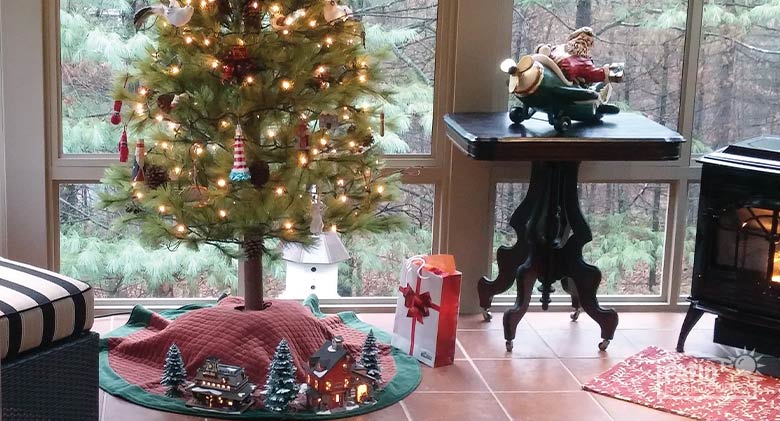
{"x":646,"y":35}
{"x":117,"y":265}
{"x":628,"y":223}
{"x":98,"y":41}
{"x":737,"y":95}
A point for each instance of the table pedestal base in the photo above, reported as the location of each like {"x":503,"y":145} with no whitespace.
{"x":551,"y":232}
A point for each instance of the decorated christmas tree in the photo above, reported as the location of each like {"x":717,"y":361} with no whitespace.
{"x":369,"y":357}
{"x":280,"y":387}
{"x":240,"y":110}
{"x":174,"y":373}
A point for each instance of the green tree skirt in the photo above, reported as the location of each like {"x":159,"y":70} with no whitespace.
{"x":407,"y":378}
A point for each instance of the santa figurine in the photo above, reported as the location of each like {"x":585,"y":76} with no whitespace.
{"x":576,"y":63}
{"x":575,"y":60}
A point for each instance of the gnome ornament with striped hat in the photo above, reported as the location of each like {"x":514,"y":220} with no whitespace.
{"x":240,"y":171}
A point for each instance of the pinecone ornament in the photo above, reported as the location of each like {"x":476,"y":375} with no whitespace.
{"x":253,"y":247}
{"x":260,"y":173}
{"x":156,"y":176}
{"x":165,"y":102}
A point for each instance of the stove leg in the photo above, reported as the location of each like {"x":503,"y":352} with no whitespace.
{"x":691,"y":318}
{"x":526,"y":277}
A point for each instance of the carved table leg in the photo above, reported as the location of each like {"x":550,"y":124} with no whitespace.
{"x":691,"y":318}
{"x":526,"y":278}
{"x":509,"y":259}
{"x":586,"y":278}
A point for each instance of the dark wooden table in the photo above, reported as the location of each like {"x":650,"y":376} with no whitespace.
{"x":551,"y":230}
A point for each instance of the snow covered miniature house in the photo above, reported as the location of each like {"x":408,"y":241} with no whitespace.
{"x":314,"y":269}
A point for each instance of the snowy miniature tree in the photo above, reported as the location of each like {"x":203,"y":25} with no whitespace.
{"x":280,"y":387}
{"x":369,"y":358}
{"x":174,"y":373}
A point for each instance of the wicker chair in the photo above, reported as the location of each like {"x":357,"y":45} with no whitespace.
{"x":58,"y":382}
{"x":53,"y":376}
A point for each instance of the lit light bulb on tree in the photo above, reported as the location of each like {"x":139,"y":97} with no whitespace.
{"x":279,"y":191}
{"x":222,"y":213}
{"x":175,"y":70}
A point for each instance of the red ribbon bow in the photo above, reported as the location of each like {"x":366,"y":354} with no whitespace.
{"x":418,"y":305}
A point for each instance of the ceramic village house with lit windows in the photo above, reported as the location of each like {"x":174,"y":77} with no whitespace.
{"x":335,"y":381}
{"x":221,"y":386}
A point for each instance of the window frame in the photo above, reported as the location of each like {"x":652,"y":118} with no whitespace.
{"x":460,"y":23}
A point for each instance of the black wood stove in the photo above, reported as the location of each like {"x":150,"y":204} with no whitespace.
{"x":736,"y":272}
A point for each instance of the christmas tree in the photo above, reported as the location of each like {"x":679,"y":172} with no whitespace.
{"x":240,"y":110}
{"x":369,"y":357}
{"x":280,"y":387}
{"x":174,"y":373}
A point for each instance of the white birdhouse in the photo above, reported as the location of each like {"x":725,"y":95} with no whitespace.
{"x":314,"y":270}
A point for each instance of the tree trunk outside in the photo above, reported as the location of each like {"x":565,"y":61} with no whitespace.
{"x":253,"y":283}
{"x":584,"y":17}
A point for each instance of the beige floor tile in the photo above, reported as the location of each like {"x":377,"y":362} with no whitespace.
{"x":491,"y":344}
{"x":477,"y":322}
{"x":542,"y":321}
{"x":585,"y":369}
{"x":524,"y":374}
{"x":116,"y":409}
{"x":699,"y":341}
{"x":622,"y":410}
{"x":554,"y":406}
{"x":454,"y":406}
{"x":578,"y":343}
{"x":391,"y":413}
{"x":460,"y":376}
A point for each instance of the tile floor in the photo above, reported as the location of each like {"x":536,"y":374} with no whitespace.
{"x":540,"y":381}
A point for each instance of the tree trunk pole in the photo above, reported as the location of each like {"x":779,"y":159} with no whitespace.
{"x":253,"y":283}
{"x":253,"y":273}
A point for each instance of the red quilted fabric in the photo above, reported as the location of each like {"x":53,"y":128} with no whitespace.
{"x":237,"y":338}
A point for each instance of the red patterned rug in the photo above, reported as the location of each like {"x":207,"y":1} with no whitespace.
{"x":691,"y":386}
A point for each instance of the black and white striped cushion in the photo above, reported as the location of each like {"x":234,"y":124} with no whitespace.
{"x":38,"y":307}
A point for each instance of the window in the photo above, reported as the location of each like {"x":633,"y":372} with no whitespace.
{"x":703,"y":68}
{"x":646,"y":35}
{"x":628,"y":225}
{"x":408,"y":29}
{"x":690,"y":238}
{"x":737,"y":95}
{"x":97,"y":42}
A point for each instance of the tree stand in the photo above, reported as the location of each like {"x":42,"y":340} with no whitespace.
{"x":551,"y":232}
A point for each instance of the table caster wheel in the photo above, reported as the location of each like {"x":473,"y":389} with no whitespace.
{"x":486,"y":315}
{"x":509,"y":346}
{"x":575,"y":314}
{"x":604,"y":344}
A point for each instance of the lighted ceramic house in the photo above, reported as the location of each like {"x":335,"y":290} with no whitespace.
{"x":335,"y":381}
{"x":314,"y":269}
{"x":221,"y":388}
